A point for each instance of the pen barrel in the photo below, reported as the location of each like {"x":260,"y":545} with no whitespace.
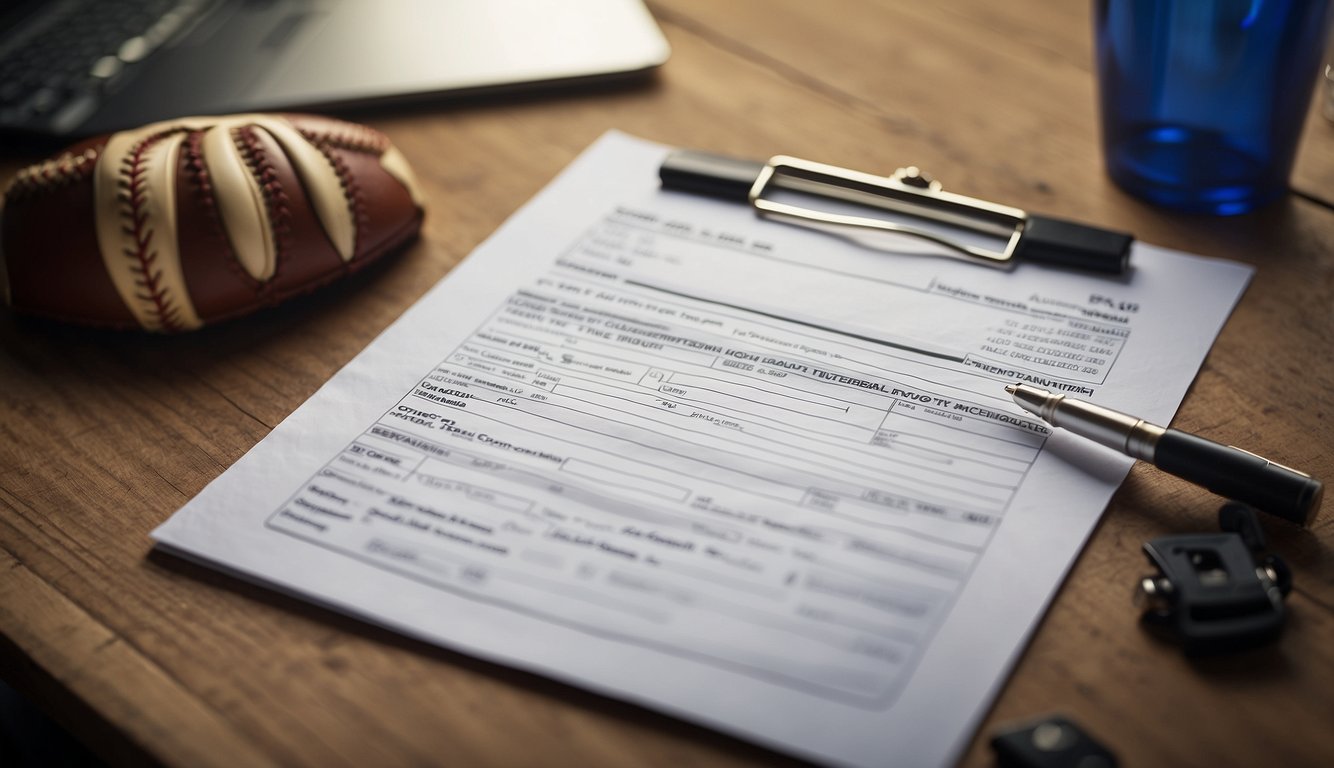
{"x":1239,"y":475}
{"x":1119,"y":431}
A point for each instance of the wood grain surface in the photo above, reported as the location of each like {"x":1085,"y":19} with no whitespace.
{"x":150,"y":659}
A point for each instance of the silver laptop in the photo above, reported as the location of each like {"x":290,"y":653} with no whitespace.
{"x":74,"y":67}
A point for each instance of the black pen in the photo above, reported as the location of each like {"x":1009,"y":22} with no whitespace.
{"x":1223,"y":469}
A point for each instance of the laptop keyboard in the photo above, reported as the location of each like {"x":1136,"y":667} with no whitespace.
{"x":60,"y":63}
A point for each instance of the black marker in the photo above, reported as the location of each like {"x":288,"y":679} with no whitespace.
{"x":1223,"y":469}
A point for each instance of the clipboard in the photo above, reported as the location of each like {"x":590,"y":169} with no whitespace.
{"x":907,"y":193}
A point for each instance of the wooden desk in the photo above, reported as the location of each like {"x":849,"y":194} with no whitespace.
{"x":102,"y":437}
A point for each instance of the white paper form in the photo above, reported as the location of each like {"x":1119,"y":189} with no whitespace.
{"x":747,"y":474}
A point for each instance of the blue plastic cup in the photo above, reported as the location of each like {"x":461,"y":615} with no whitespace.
{"x":1203,"y":101}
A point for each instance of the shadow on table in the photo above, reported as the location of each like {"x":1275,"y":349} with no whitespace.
{"x":29,"y":739}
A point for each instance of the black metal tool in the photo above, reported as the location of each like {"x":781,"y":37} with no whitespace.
{"x":1216,"y":592}
{"x":1052,"y":742}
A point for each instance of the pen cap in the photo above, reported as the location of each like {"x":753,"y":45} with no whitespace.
{"x":1241,"y":475}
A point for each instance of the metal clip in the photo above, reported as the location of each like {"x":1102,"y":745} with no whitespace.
{"x":908,"y":192}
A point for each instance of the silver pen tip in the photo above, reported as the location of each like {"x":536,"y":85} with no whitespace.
{"x":1011,"y":388}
